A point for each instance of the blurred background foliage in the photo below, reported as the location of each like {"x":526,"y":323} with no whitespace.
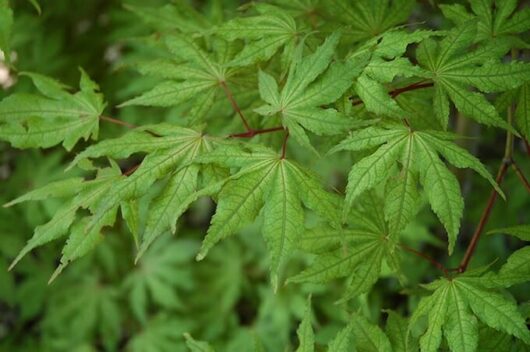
{"x":106,"y":302}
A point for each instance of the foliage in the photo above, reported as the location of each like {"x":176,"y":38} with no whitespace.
{"x":341,"y":145}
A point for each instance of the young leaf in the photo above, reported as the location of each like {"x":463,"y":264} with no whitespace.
{"x":56,"y":116}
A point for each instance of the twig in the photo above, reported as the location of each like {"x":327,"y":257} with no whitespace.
{"x":507,"y":160}
{"x":434,"y":262}
{"x":521,"y":176}
{"x":483,"y":219}
{"x":284,"y":145}
{"x":236,"y":108}
{"x":253,"y":133}
{"x":131,"y":170}
{"x":117,"y":122}
{"x":394,"y":93}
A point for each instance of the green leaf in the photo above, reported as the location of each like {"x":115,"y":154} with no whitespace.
{"x":162,"y":333}
{"x":396,"y":330}
{"x":367,"y":336}
{"x":495,"y":310}
{"x":87,"y":196}
{"x":372,"y":170}
{"x":442,"y":189}
{"x":161,"y":276}
{"x":376,"y":98}
{"x":197,"y":346}
{"x":461,"y":327}
{"x":456,"y":41}
{"x":341,"y":341}
{"x":308,"y":69}
{"x":450,"y":307}
{"x":474,"y":105}
{"x":520,"y":231}
{"x":402,"y":197}
{"x":306,"y":336}
{"x":30,"y":121}
{"x":61,"y":188}
{"x":491,"y":78}
{"x":6,"y":24}
{"x":459,"y":157}
{"x":265,"y":34}
{"x":282,"y":217}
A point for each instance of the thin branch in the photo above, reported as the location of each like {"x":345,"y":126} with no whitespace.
{"x":434,"y":262}
{"x":284,"y":145}
{"x":117,"y":122}
{"x":521,"y":176}
{"x":527,"y":145}
{"x":394,"y":93}
{"x":236,"y":108}
{"x":507,"y":160}
{"x":253,"y":133}
{"x":131,"y":170}
{"x":483,"y":218}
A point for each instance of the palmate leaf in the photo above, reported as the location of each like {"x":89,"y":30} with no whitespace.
{"x":417,"y":153}
{"x":160,"y":274}
{"x":198,"y":80}
{"x":171,"y":152}
{"x":520,"y":231}
{"x":306,"y":336}
{"x":498,"y":20}
{"x":384,"y":64}
{"x":175,"y":16}
{"x":454,"y":308}
{"x":268,"y":183}
{"x":54,"y":117}
{"x":356,"y":253}
{"x":454,"y":71}
{"x":264,"y":34}
{"x":197,"y":346}
{"x":163,"y":333}
{"x":370,"y":18}
{"x":85,"y":195}
{"x":300,"y":99}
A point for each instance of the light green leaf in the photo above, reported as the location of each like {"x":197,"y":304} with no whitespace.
{"x":474,"y":105}
{"x":376,"y":98}
{"x":442,"y":189}
{"x":520,"y":231}
{"x":306,"y":336}
{"x":372,"y":170}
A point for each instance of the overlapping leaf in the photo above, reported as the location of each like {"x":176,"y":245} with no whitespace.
{"x":498,"y":20}
{"x":454,"y":70}
{"x":300,"y":99}
{"x":369,"y":18}
{"x":264,"y":34}
{"x":357,"y":253}
{"x":194,"y":78}
{"x":53,"y":117}
{"x":417,"y":153}
{"x":454,"y":308}
{"x":266,"y":183}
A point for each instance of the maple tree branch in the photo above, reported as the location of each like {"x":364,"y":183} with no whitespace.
{"x":253,"y":133}
{"x":117,"y":122}
{"x":131,"y":170}
{"x":394,"y":93}
{"x":521,"y":176}
{"x":284,"y":145}
{"x":434,"y":262}
{"x":507,"y":160}
{"x":236,"y":108}
{"x":483,"y":219}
